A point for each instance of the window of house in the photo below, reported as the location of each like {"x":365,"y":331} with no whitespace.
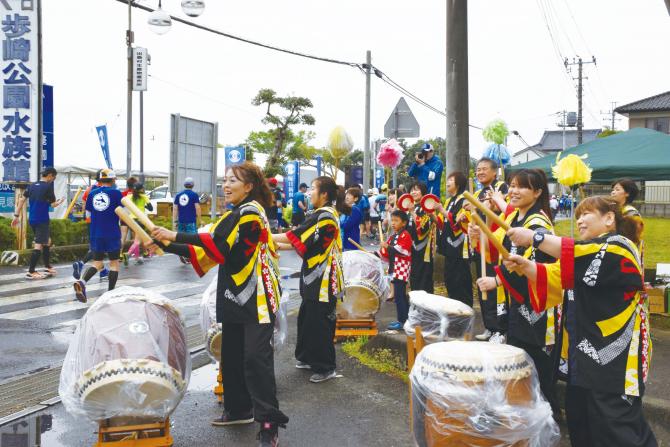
{"x":659,"y":124}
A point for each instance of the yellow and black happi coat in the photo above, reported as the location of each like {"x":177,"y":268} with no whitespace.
{"x":248,"y":282}
{"x":451,"y":233}
{"x":607,"y":327}
{"x":318,"y":242}
{"x":535,"y":328}
{"x":423,"y":232}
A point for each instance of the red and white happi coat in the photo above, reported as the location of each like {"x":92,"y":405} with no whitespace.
{"x":399,"y":255}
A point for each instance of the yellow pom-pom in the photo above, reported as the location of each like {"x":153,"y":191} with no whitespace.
{"x":571,"y":170}
{"x":339,"y":142}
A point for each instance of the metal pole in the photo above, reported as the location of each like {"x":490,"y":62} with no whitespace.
{"x":458,"y":138}
{"x":215,"y":139}
{"x":142,"y":136}
{"x":580,"y":124}
{"x":129,"y":125}
{"x":564,"y":123}
{"x":366,"y":145}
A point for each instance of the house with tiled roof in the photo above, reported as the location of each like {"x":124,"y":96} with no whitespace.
{"x":652,"y":113}
{"x":551,"y":143}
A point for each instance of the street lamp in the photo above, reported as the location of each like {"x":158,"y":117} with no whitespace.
{"x":159,"y":21}
{"x":192,"y":8}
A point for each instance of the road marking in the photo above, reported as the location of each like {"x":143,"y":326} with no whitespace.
{"x":23,"y":275}
{"x":33,"y":283}
{"x":63,"y":292}
{"x":46,"y":311}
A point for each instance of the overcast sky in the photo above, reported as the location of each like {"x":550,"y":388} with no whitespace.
{"x":515,"y":69}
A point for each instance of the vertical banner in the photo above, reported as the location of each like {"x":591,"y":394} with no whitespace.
{"x":47,"y":126}
{"x":319,"y":161}
{"x":234,"y":155}
{"x":21,"y":92}
{"x":291,"y":179}
{"x":379,"y":177}
{"x":104,"y":144}
{"x":357,"y":175}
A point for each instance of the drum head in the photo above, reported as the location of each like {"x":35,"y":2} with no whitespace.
{"x":360,"y":303}
{"x":429,"y":203}
{"x":405,"y":202}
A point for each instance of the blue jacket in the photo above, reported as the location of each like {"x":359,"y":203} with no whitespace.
{"x":421,"y":173}
{"x":350,"y":228}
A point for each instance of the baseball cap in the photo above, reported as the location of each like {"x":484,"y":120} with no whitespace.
{"x":426,"y":147}
{"x":385,"y":187}
{"x":188,"y":181}
{"x":272,"y":181}
{"x":375,"y":191}
{"x":107,"y":173}
{"x":302,"y":185}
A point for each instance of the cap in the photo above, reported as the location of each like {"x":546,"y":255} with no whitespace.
{"x":302,"y":185}
{"x":427,"y":147}
{"x":188,"y":181}
{"x":272,"y":181}
{"x":375,"y":191}
{"x":107,"y":173}
{"x":385,"y":187}
{"x":138,"y":186}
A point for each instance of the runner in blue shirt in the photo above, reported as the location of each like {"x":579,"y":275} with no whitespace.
{"x":299,"y":206}
{"x":186,"y":211}
{"x":104,"y":231}
{"x":40,"y":196}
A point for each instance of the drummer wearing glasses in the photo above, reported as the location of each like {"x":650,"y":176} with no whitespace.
{"x":240,"y":242}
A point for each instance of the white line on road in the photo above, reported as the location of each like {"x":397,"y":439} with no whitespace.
{"x":46,"y":311}
{"x":32,"y":283}
{"x":23,"y":275}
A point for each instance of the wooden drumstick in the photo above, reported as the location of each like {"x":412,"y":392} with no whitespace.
{"x":141,"y":217}
{"x":139,"y":231}
{"x":489,"y":234}
{"x":484,"y":209}
{"x":482,"y":259}
{"x":357,"y":245}
{"x":71,"y":205}
{"x":381,"y":233}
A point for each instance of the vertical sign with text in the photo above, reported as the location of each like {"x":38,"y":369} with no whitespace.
{"x":21,"y":91}
{"x":140,"y":59}
{"x":291,"y":179}
{"x":47,"y":126}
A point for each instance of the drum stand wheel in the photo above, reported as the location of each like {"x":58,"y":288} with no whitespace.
{"x":355,"y":328}
{"x":218,"y":388}
{"x":414,"y":346}
{"x":155,"y":434}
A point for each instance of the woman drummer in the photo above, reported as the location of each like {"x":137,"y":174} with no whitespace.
{"x":318,"y":242}
{"x":531,"y":331}
{"x":248,"y":295}
{"x":457,"y":274}
{"x":606,"y":325}
{"x":422,"y":228}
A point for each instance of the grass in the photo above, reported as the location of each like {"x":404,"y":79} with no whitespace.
{"x":382,"y":360}
{"x":656,"y":240}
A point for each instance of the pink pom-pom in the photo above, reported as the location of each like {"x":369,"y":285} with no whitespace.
{"x":390,"y":154}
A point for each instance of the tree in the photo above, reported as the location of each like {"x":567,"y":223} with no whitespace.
{"x":606,"y":132}
{"x":276,"y":140}
{"x":295,"y":147}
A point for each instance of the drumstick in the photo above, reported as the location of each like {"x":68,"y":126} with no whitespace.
{"x":482,"y":259}
{"x":141,"y":217}
{"x":381,"y":233}
{"x":490,"y":214}
{"x":357,"y":245}
{"x":71,"y":205}
{"x":489,"y":234}
{"x":139,"y":231}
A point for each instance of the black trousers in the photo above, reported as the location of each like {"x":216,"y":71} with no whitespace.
{"x":544,"y":364}
{"x":401,"y":300}
{"x":247,"y":359}
{"x":458,"y":279}
{"x":489,"y":307}
{"x":421,"y":276}
{"x":316,"y":331}
{"x":597,"y":419}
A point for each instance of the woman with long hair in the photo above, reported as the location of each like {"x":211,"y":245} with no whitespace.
{"x":422,"y":229}
{"x":247,"y":297}
{"x":605,"y":324}
{"x":451,"y":236}
{"x":317,"y":240}
{"x":531,"y":331}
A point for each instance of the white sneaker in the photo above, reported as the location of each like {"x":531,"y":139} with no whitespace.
{"x":498,"y":338}
{"x":484,"y":335}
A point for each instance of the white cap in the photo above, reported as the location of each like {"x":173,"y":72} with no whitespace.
{"x":375,"y":191}
{"x":189,"y":181}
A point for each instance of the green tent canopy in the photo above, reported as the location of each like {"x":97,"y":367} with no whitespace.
{"x":640,"y":154}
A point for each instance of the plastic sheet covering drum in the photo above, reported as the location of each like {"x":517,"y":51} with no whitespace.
{"x":440,"y":318}
{"x":479,"y":394}
{"x":365,"y":284}
{"x":128,"y":358}
{"x":210,"y":328}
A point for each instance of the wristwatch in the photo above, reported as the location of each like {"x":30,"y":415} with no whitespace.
{"x":537,"y":239}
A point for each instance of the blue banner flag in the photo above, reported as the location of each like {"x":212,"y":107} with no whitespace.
{"x":47,"y":126}
{"x":104,"y":144}
{"x":379,"y":178}
{"x":291,"y":179}
{"x":235,"y":155}
{"x":357,"y":175}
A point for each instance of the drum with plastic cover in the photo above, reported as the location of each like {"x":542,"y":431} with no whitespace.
{"x":365,"y":285}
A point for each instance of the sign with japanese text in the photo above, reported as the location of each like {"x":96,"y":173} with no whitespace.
{"x":21,"y":92}
{"x":291,"y":179}
{"x":140,"y":59}
{"x":47,"y":126}
{"x":6,"y":198}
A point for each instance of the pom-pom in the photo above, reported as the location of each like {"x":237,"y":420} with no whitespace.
{"x":339,"y":142}
{"x":390,"y":154}
{"x":498,"y":153}
{"x":496,"y":132}
{"x":571,"y":170}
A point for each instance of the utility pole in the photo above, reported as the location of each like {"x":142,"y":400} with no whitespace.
{"x":458,"y":155}
{"x":580,"y":91}
{"x":366,"y":145}
{"x":129,"y":124}
{"x":611,"y":116}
